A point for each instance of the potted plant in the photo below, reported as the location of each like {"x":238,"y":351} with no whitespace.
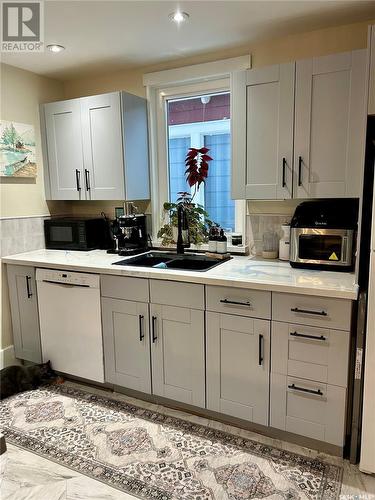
{"x":196,"y":163}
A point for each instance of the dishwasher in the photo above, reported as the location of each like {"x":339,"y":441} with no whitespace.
{"x":70,"y":322}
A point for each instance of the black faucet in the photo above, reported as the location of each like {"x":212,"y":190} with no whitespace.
{"x":183,"y":237}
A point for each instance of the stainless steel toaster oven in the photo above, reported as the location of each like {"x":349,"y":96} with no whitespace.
{"x":323,"y":234}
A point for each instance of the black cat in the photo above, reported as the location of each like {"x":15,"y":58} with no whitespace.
{"x":15,"y":379}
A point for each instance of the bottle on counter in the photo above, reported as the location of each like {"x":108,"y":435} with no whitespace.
{"x":212,"y":240}
{"x":284,"y":243}
{"x":221,"y":243}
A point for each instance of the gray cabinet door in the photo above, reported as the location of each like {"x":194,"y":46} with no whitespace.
{"x":64,"y":149}
{"x":102,"y":147}
{"x":330,"y":112}
{"x":262,"y":125}
{"x":24,"y":311}
{"x":177,"y":354}
{"x":126,"y":344}
{"x":238,"y":354}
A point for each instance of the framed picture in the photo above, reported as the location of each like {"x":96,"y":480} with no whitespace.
{"x":17,"y":150}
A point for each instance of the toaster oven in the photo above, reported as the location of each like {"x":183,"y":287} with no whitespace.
{"x":323,"y":234}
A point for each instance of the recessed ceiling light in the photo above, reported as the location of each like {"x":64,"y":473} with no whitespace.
{"x":55,"y":48}
{"x":178,"y":16}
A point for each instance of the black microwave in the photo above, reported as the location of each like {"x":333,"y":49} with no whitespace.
{"x":75,"y":233}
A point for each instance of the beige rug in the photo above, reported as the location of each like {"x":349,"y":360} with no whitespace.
{"x":155,"y":456}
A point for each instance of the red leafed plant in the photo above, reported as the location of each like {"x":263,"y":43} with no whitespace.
{"x":196,"y":163}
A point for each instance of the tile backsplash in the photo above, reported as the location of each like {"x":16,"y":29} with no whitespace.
{"x":258,"y":224}
{"x":21,"y":234}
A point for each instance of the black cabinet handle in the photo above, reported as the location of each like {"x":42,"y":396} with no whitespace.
{"x":306,"y":311}
{"x":87,"y":179}
{"x":154,"y":336}
{"x":306,"y":336}
{"x":260,"y":352}
{"x":78,"y":179}
{"x":29,"y":294}
{"x":300,"y":161}
{"x":284,"y":172}
{"x":141,"y":333}
{"x":226,"y":301}
{"x":302,"y":389}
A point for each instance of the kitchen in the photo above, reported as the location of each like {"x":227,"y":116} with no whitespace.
{"x":225,"y":303}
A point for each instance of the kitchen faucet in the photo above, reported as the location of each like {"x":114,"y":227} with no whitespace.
{"x":183,"y":236}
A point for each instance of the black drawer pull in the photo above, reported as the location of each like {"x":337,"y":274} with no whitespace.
{"x":87,"y":179}
{"x":235,"y":302}
{"x":300,"y":161}
{"x":307,"y":311}
{"x":78,"y":179}
{"x":154,"y":336}
{"x":141,"y":333}
{"x":306,"y":336}
{"x":284,"y":169}
{"x":302,"y":389}
{"x":29,"y":294}
{"x":260,"y":352}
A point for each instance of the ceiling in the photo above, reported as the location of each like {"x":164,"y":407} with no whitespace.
{"x":104,"y":36}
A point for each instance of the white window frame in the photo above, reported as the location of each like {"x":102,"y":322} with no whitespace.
{"x":199,"y":79}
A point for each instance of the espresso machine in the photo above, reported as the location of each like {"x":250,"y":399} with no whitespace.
{"x":129,"y":233}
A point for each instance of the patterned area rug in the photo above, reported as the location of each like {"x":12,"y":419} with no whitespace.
{"x":155,"y":456}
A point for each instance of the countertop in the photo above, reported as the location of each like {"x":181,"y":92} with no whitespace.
{"x":241,"y":272}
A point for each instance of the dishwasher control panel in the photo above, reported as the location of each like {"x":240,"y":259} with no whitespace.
{"x":68,"y":277}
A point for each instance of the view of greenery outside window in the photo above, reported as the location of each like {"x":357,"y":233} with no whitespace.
{"x":196,"y":122}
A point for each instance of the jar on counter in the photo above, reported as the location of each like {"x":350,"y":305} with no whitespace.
{"x":270,"y":245}
{"x":236,"y":239}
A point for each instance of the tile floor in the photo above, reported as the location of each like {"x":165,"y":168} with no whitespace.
{"x":25,"y":475}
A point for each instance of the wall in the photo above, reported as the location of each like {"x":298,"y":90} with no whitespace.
{"x":22,"y":201}
{"x":299,"y":46}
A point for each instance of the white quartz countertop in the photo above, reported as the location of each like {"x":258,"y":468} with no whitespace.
{"x":241,"y":272}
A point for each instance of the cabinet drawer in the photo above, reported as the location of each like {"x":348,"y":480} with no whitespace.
{"x":172,"y":293}
{"x":124,"y":287}
{"x":314,"y":311}
{"x":308,"y":408}
{"x":311,"y":353}
{"x":239,"y":301}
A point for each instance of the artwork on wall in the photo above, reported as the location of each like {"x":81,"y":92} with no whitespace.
{"x":17,"y":150}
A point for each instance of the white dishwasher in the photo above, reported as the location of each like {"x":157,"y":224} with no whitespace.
{"x":70,"y":322}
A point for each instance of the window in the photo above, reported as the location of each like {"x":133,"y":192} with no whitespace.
{"x":197,"y":121}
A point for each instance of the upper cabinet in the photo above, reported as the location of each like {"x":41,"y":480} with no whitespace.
{"x":96,"y":148}
{"x":64,"y":142}
{"x":263,"y":104}
{"x":371,"y":48}
{"x":330,"y":110}
{"x":298,"y":129}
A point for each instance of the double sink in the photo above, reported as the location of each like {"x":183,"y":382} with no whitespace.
{"x":170,"y":260}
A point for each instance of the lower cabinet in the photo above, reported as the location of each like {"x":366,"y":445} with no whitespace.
{"x":308,"y":408}
{"x":309,"y":374}
{"x":238,"y":353}
{"x":126,"y":343}
{"x":177,"y":353}
{"x":24,"y":311}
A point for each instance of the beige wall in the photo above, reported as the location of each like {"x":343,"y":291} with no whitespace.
{"x":21,"y":94}
{"x":314,"y":43}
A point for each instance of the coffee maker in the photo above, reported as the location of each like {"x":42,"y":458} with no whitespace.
{"x":129,"y":233}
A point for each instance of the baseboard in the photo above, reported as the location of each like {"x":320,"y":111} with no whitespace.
{"x":7,"y":357}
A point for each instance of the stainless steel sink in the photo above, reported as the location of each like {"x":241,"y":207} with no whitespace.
{"x":170,"y":260}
